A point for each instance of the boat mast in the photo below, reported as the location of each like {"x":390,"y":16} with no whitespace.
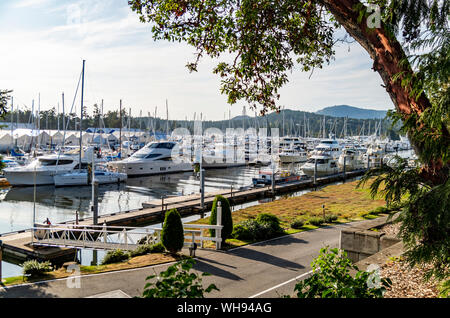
{"x":120,"y":128}
{"x":81,"y":116}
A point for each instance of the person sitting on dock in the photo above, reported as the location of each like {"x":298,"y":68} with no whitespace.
{"x":48,"y":222}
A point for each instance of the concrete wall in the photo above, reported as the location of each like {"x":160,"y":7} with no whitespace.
{"x":360,"y":242}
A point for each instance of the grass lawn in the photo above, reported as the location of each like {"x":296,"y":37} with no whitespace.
{"x":135,"y":262}
{"x":345,"y":201}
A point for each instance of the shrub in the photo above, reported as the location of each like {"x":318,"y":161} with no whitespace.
{"x":272,"y":223}
{"x":331,"y":278}
{"x":157,"y":248}
{"x":172,"y":236}
{"x":35,"y":268}
{"x":177,"y":282}
{"x":330,"y":218}
{"x":380,"y":210}
{"x":246,"y":230}
{"x":316,"y":221}
{"x":115,"y":256}
{"x":297,"y":224}
{"x":227,"y":220}
{"x":147,"y":249}
{"x":264,"y":227}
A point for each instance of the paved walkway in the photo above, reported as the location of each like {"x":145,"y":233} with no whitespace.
{"x":267,"y":269}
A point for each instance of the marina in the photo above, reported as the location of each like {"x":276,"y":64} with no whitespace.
{"x":150,"y":213}
{"x":141,"y":197}
{"x":89,"y":178}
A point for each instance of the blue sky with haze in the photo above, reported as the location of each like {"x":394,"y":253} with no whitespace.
{"x":45,"y":41}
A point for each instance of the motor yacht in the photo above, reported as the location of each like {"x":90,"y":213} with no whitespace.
{"x":326,"y":165}
{"x":101,"y":176}
{"x":287,"y":156}
{"x":153,"y":158}
{"x":353,"y":159}
{"x":329,"y":147}
{"x":41,"y":170}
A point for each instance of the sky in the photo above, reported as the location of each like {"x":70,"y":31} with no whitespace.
{"x":43,"y":43}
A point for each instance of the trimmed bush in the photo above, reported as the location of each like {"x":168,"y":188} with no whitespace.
{"x":316,"y":221}
{"x":172,"y":236}
{"x":297,"y":224}
{"x":115,"y":256}
{"x":227,"y":220}
{"x":35,"y":268}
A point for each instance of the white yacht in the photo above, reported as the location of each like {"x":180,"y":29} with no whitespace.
{"x":326,"y":165}
{"x":287,"y":156}
{"x":153,"y":158}
{"x":374,"y":154}
{"x":328,"y":146}
{"x":102,"y":176}
{"x":41,"y":170}
{"x":292,"y":142}
{"x":353,"y":159}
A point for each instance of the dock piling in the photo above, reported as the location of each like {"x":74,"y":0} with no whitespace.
{"x":94,"y":207}
{"x":315,"y":172}
{"x":1,"y":252}
{"x":345,"y":161}
{"x":202,"y":188}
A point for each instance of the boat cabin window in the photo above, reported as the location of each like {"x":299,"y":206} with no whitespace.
{"x":152,"y":155}
{"x":162,"y":145}
{"x":54,"y":162}
{"x":83,"y":166}
{"x":319,"y":161}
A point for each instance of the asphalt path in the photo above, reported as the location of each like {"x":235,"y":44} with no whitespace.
{"x":267,"y":269}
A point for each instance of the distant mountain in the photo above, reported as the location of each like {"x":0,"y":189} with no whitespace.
{"x":352,"y":112}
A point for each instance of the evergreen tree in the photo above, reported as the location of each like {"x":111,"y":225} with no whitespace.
{"x":227,"y":220}
{"x":172,"y":236}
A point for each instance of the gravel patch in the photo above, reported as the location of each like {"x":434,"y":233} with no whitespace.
{"x":408,"y":282}
{"x":391,"y":229}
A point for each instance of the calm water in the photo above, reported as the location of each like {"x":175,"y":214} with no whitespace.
{"x":61,"y":204}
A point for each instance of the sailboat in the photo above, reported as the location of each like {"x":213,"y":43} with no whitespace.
{"x":81,"y":177}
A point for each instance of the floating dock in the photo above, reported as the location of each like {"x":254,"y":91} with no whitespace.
{"x":18,"y":244}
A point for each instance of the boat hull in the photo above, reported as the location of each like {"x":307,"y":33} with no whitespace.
{"x":73,"y":179}
{"x":321,"y":170}
{"x":27,"y":178}
{"x":149,"y":168}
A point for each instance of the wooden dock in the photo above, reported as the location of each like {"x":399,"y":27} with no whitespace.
{"x":19,"y":243}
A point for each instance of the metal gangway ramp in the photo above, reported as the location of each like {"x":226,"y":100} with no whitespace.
{"x":100,"y":237}
{"x":103,"y":237}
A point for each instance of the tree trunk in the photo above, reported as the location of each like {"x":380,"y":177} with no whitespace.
{"x":389,"y":61}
